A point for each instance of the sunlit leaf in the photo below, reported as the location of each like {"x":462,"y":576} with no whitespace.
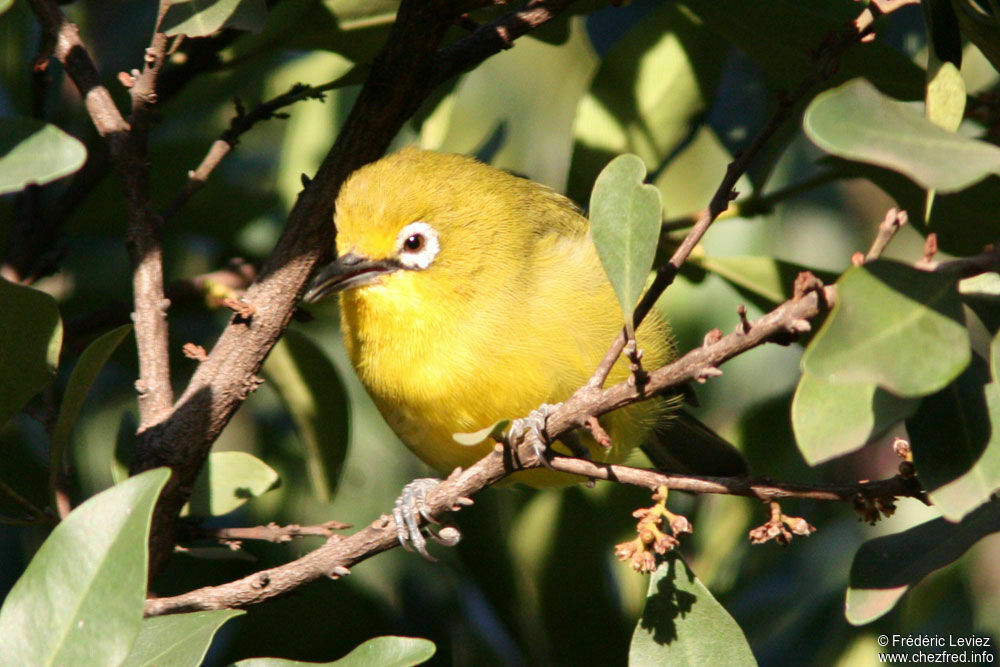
{"x":35,"y":153}
{"x":177,"y":639}
{"x":649,"y":91}
{"x":84,"y":373}
{"x":625,"y":218}
{"x":30,"y":339}
{"x":227,"y":480}
{"x":200,"y":18}
{"x":886,"y":318}
{"x":310,"y":387}
{"x":381,"y":652}
{"x":831,"y":419}
{"x":683,"y":624}
{"x":857,"y":122}
{"x":83,"y":592}
{"x":886,"y":567}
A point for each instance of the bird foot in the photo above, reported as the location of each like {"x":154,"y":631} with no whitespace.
{"x":410,"y":506}
{"x":535,"y":422}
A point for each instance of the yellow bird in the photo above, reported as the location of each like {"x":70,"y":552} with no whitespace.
{"x":470,"y":295}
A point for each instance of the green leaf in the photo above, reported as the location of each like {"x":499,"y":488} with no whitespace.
{"x":945,"y":37}
{"x":778,"y":35}
{"x":5,"y":5}
{"x":310,"y":388}
{"x":200,"y":18}
{"x":625,"y":219}
{"x":494,"y":431}
{"x":84,"y":373}
{"x":831,"y":419}
{"x":982,"y":294}
{"x":649,"y":91}
{"x":956,"y":441}
{"x":981,"y":27}
{"x":682,"y":624}
{"x":857,"y":122}
{"x":178,"y":639}
{"x":30,"y":340}
{"x":227,"y":480}
{"x":886,"y":319}
{"x":764,"y":281}
{"x":362,"y":13}
{"x":82,"y":594}
{"x":33,"y":152}
{"x":886,"y":567}
{"x":387,"y":651}
{"x":945,"y":100}
{"x":963,"y":221}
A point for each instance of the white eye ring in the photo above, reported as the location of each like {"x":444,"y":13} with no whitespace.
{"x":417,"y":245}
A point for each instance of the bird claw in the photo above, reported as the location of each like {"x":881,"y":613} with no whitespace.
{"x":535,"y":422}
{"x":410,"y":506}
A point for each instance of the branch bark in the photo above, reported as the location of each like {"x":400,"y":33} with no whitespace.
{"x":402,"y":75}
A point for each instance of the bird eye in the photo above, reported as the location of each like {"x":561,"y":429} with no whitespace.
{"x":417,"y":245}
{"x":413,"y":243}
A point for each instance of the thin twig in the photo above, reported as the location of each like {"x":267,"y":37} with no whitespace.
{"x":824,"y":64}
{"x":403,"y":74}
{"x":241,"y":124}
{"x":272,"y":532}
{"x":893,"y":221}
{"x":38,"y":515}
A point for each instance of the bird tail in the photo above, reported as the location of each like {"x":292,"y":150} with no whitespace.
{"x":686,"y":445}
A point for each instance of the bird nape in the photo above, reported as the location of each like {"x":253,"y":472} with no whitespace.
{"x":469,"y":295}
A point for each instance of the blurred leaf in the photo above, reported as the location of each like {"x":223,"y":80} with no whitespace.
{"x":30,"y":340}
{"x":200,"y":18}
{"x":33,"y":152}
{"x":352,"y":14}
{"x":227,"y":480}
{"x":945,"y":37}
{"x":766,"y":282}
{"x":981,"y":27}
{"x":831,"y":419}
{"x":508,"y":127}
{"x":886,"y":567}
{"x":5,"y":5}
{"x":692,"y":175}
{"x":956,"y":440}
{"x":378,"y":652}
{"x":857,"y":122}
{"x":648,"y":96}
{"x":310,"y":388}
{"x":82,"y":593}
{"x":177,"y":639}
{"x":683,"y":624}
{"x":780,"y":36}
{"x":963,"y":221}
{"x":625,"y":218}
{"x":886,"y":318}
{"x":84,"y":373}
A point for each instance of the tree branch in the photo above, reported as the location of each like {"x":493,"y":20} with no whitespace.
{"x":335,"y":558}
{"x":402,"y":76}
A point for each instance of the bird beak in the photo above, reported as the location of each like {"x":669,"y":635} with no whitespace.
{"x":347,"y":271}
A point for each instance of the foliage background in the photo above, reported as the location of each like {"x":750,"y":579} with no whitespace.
{"x":534,"y":580}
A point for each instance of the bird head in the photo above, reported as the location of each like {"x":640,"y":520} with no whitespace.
{"x":432,"y":225}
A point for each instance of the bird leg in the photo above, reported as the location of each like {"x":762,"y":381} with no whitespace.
{"x":410,"y":506}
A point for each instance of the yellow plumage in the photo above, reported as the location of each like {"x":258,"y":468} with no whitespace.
{"x":511,"y":311}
